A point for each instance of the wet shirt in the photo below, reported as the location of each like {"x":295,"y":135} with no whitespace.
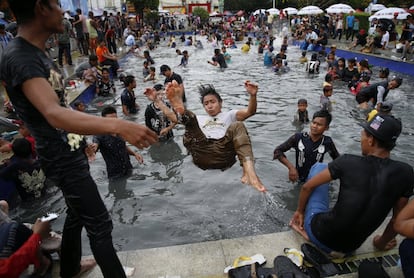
{"x":23,"y":61}
{"x":128,"y":99}
{"x":216,"y":127}
{"x":105,"y":88}
{"x":220,"y":60}
{"x":374,"y":91}
{"x":307,"y":151}
{"x":156,"y":120}
{"x":115,"y":154}
{"x":369,"y":188}
{"x":26,"y":175}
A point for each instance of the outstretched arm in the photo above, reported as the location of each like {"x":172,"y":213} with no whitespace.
{"x":41,"y":95}
{"x":252,"y":89}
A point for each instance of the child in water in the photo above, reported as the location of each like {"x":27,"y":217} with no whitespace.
{"x":325,"y":102}
{"x":313,"y":64}
{"x":301,"y":116}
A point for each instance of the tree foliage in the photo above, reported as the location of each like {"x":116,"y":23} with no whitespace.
{"x":141,"y":5}
{"x":202,"y":13}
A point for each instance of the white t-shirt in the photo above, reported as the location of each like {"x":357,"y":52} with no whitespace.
{"x":130,"y":40}
{"x":385,"y":39}
{"x":216,"y":127}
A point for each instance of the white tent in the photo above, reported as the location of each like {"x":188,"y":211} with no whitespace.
{"x":259,"y":11}
{"x":374,"y":8}
{"x":290,"y":10}
{"x":309,"y":10}
{"x":273,"y":11}
{"x":390,"y":13}
{"x":339,"y":8}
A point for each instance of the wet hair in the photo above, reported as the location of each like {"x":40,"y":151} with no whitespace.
{"x":302,"y":101}
{"x":93,"y":57}
{"x":21,"y":147}
{"x":128,"y":80}
{"x":328,"y":77}
{"x":108,"y":110}
{"x":216,"y":51}
{"x":205,"y":90}
{"x":314,"y":57}
{"x":152,"y":69}
{"x":79,"y":11}
{"x":78,"y":103}
{"x":146,"y":52}
{"x":105,"y":69}
{"x":323,"y":114}
{"x":24,"y":10}
{"x":364,"y":63}
{"x":351,"y":60}
{"x":385,"y":71}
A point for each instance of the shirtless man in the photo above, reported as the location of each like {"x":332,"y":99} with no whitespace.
{"x":215,"y":139}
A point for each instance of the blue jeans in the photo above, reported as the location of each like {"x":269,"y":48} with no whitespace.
{"x":407,"y":257}
{"x":318,"y":202}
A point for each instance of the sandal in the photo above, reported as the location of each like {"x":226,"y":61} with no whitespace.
{"x":285,"y":268}
{"x":319,"y":260}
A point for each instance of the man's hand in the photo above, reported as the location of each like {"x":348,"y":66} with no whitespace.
{"x":293,"y":174}
{"x":138,"y":135}
{"x":41,"y":228}
{"x":251,"y":88}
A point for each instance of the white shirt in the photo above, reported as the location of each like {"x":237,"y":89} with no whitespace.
{"x":385,"y":39}
{"x":216,"y":127}
{"x":130,"y":40}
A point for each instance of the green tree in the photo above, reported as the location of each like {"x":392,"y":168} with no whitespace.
{"x":202,"y":13}
{"x":144,"y":5}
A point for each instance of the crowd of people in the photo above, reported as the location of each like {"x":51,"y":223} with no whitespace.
{"x":214,"y":140}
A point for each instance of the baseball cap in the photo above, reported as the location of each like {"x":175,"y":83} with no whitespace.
{"x":386,"y":107}
{"x":164,"y":68}
{"x":386,"y":128}
{"x":158,"y":87}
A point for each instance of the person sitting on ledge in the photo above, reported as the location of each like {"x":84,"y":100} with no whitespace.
{"x":215,"y":139}
{"x":370,"y":186}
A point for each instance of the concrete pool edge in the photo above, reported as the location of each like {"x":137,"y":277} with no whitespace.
{"x":208,"y":259}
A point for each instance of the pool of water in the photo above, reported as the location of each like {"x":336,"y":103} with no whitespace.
{"x":169,"y":201}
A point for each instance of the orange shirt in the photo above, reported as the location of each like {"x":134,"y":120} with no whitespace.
{"x":100,"y":50}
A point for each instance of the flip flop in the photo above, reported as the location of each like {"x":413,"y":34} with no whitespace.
{"x":319,"y":260}
{"x":243,"y":260}
{"x":285,"y":268}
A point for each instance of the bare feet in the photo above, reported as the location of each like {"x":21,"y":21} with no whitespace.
{"x":86,"y":265}
{"x":175,"y":96}
{"x":299,"y":230}
{"x":250,"y":177}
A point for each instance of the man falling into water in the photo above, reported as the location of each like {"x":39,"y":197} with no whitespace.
{"x":215,"y":139}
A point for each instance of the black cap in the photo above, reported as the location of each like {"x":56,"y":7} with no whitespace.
{"x":158,"y":87}
{"x":383,"y":127}
{"x":164,"y":68}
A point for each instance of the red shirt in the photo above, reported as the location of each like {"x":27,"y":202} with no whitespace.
{"x":26,"y":255}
